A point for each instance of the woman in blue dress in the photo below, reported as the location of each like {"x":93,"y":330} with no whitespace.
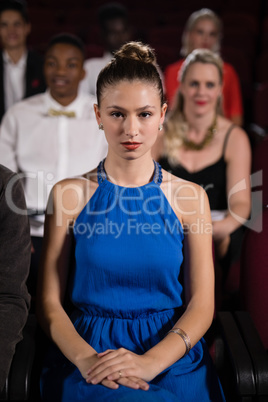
{"x":135,"y":330}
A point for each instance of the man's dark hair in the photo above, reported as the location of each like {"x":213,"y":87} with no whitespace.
{"x":15,"y":5}
{"x":68,"y":39}
{"x":111,"y":11}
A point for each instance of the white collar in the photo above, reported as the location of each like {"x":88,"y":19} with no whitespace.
{"x":75,"y":106}
{"x":21,"y":63}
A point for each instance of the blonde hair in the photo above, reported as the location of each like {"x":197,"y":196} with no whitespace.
{"x":175,"y":125}
{"x":203,"y":14}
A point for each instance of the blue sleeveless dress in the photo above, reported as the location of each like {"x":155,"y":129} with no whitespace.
{"x":126,"y":293}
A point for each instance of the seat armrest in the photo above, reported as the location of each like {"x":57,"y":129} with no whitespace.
{"x":18,"y":383}
{"x":238,"y":359}
{"x":256,"y":349}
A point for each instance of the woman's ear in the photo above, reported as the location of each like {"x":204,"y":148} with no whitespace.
{"x":97,"y":113}
{"x":163,"y":112}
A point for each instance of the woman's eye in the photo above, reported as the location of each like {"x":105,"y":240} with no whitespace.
{"x":213,"y":34}
{"x":116,"y":114}
{"x":145,"y":114}
{"x":210,"y":85}
{"x":193,"y":84}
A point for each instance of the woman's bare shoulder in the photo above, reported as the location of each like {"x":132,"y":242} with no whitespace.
{"x":175,"y":183}
{"x":70,"y":195}
{"x":237,"y":142}
{"x":236,"y":132}
{"x":187,"y":199}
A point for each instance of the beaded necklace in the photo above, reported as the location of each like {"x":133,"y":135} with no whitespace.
{"x":208,"y":137}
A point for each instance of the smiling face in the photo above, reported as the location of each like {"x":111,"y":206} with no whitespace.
{"x":201,"y":88}
{"x":63,"y":69}
{"x":13,"y":30}
{"x":204,"y":35}
{"x":131,"y":113}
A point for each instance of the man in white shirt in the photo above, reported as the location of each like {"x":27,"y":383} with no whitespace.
{"x":21,"y":70}
{"x":53,"y":135}
{"x":115,"y":31}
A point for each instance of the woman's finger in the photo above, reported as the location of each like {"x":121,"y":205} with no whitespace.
{"x":112,"y":372}
{"x":110,"y":384}
{"x":106,"y":352}
{"x":107,"y":356}
{"x":133,"y":382}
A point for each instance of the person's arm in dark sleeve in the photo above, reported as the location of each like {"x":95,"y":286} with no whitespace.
{"x":15,"y":253}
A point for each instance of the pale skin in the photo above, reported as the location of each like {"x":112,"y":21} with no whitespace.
{"x":201,"y":89}
{"x":13,"y":33}
{"x":129,"y":111}
{"x":205,"y":35}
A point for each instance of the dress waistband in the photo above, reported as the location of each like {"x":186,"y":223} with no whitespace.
{"x":128,"y":315}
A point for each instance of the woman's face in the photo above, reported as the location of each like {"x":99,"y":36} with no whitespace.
{"x":201,"y":88}
{"x":131,"y":113}
{"x":204,"y":35}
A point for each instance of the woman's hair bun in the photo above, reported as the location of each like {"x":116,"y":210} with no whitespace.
{"x":136,"y":51}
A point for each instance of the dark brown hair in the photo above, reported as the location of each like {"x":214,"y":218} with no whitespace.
{"x":15,"y":5}
{"x":134,"y":61}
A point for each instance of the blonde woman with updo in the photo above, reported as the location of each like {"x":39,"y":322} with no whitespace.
{"x":203,"y":30}
{"x":202,"y":146}
{"x":135,"y":332}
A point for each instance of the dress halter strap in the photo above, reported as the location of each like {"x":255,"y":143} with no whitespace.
{"x":227,"y":135}
{"x":157,"y":178}
{"x":101,"y":172}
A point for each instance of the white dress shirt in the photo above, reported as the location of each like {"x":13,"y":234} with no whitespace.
{"x":48,"y":148}
{"x":93,"y":66}
{"x":14,"y":79}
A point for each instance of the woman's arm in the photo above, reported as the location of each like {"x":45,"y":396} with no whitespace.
{"x":66,"y":201}
{"x":238,"y":158}
{"x":63,"y":206}
{"x":199,"y":276}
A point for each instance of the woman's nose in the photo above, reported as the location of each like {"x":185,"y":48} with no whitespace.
{"x":131,"y":127}
{"x":201,"y":89}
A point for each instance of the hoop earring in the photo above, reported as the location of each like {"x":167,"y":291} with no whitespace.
{"x":160,"y":128}
{"x":100,"y":126}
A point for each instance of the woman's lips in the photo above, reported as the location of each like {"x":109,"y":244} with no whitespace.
{"x":201,"y":103}
{"x":131,"y":145}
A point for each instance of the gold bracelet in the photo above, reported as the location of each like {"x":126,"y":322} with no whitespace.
{"x":184,"y":337}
